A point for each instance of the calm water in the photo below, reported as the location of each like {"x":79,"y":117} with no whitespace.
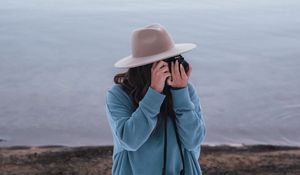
{"x":57,"y":63}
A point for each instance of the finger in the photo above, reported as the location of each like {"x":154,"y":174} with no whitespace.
{"x":166,"y":75}
{"x":153,"y":66}
{"x":160,"y":64}
{"x":164,"y":69}
{"x":172,"y":69}
{"x":169,"y":81}
{"x":176,"y":70}
{"x":189,"y":71}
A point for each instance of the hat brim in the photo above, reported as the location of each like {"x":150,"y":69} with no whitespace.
{"x":130,"y":61}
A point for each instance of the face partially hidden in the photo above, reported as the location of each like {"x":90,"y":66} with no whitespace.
{"x":180,"y":59}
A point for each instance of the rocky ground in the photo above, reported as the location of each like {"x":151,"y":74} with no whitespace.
{"x":60,"y":160}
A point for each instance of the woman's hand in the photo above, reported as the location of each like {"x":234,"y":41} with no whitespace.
{"x":159,"y":73}
{"x":179,"y":79}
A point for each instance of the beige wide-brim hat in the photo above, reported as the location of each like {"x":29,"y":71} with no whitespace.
{"x":150,"y":44}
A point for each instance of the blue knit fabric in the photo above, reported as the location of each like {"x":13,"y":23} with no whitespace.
{"x":138,"y":150}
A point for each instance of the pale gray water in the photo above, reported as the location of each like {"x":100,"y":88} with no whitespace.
{"x":57,"y":57}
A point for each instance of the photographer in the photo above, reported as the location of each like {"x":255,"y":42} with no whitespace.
{"x":153,"y":110}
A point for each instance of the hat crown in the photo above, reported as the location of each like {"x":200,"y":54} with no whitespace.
{"x":150,"y":40}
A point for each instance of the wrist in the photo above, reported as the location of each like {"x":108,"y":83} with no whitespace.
{"x":176,"y":88}
{"x":156,"y":89}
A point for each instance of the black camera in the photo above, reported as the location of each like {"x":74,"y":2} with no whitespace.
{"x":180,"y":59}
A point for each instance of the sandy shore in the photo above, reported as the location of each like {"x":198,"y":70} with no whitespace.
{"x":91,"y":160}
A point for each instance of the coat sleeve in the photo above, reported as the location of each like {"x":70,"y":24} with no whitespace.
{"x":132,"y":129}
{"x":190,"y":123}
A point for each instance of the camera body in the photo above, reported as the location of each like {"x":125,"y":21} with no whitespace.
{"x":180,"y":59}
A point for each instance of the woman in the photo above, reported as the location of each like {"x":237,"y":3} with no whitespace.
{"x":153,"y":110}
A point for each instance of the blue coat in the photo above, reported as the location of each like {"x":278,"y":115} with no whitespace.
{"x":138,"y":152}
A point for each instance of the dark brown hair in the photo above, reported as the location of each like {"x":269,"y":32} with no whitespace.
{"x":136,"y":81}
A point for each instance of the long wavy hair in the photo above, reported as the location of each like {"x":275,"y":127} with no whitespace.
{"x":136,"y":81}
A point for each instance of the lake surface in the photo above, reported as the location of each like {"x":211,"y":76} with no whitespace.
{"x":57,"y":64}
